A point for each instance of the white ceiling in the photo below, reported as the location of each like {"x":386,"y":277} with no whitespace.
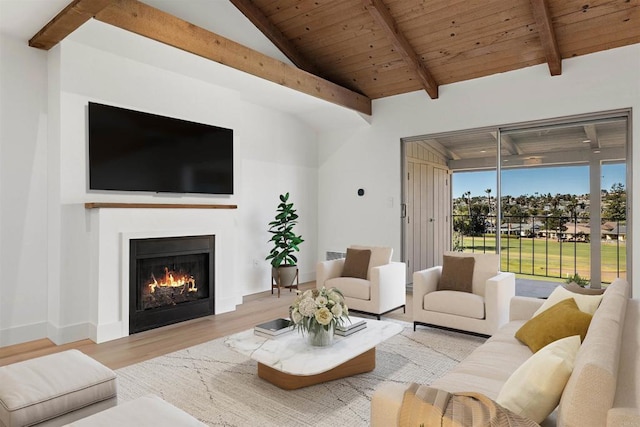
{"x":22,"y":19}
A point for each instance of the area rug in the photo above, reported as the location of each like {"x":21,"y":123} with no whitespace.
{"x":221,"y":388}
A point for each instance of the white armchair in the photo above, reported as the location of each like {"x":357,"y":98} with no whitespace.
{"x":481,"y":311}
{"x":383,"y":290}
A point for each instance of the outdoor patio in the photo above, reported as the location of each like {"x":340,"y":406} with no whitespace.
{"x":534,"y":288}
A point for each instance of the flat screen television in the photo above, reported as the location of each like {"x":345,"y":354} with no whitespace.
{"x":135,"y":151}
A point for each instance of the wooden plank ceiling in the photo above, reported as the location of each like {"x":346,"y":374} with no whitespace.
{"x":351,"y":51}
{"x":454,"y":40}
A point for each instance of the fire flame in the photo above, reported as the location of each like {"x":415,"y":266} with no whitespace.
{"x":186,"y":281}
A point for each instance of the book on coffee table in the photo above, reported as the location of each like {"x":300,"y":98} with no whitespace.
{"x":273,"y":328}
{"x":350,"y":328}
{"x":350,"y":331}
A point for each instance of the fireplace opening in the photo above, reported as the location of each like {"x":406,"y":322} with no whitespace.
{"x":171,"y":280}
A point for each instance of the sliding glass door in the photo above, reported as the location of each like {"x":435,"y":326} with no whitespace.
{"x":574,"y":226}
{"x":550,"y":196}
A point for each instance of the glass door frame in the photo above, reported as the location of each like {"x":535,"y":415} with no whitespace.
{"x":595,"y":165}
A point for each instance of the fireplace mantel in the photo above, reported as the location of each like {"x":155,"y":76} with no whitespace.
{"x":100,"y":205}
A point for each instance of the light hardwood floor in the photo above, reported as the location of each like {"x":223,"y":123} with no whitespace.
{"x":136,"y":348}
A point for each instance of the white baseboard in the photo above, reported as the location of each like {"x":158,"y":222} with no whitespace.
{"x":108,"y":332}
{"x":226,"y":305}
{"x":21,"y":334}
{"x":97,"y":333}
{"x":41,"y":330}
{"x":307,"y":277}
{"x":66,"y":334}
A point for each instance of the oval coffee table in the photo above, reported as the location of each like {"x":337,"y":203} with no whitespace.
{"x":288,"y":362}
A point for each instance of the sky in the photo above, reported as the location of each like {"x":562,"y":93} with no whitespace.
{"x":554,"y":180}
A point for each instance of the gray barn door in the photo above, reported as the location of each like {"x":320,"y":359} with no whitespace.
{"x":426,"y":222}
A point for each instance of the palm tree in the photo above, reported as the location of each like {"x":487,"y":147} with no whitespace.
{"x":468,"y":195}
{"x":488,"y":191}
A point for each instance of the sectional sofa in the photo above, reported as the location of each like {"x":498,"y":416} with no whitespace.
{"x":603,"y":388}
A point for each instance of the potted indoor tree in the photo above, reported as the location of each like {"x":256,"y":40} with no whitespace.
{"x":285,"y":243}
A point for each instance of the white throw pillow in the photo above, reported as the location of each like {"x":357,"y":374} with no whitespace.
{"x":535,"y":388}
{"x":586,"y":303}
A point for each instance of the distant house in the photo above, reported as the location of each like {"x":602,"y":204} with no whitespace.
{"x":614,"y":231}
{"x":578,"y":232}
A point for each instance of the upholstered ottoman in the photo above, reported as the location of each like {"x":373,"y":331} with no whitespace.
{"x":145,"y":411}
{"x":54,"y":390}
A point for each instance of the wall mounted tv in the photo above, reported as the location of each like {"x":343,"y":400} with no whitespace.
{"x":134,"y":151}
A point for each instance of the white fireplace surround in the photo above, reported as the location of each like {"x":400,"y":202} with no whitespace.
{"x":111,"y":231}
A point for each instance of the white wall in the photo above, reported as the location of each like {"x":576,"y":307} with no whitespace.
{"x":274,"y":152}
{"x":369,"y":157}
{"x":46,"y":232}
{"x":23,"y":191}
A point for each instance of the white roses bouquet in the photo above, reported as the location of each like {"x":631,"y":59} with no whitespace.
{"x":316,"y":309}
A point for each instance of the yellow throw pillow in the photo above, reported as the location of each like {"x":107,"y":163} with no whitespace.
{"x":535,"y":388}
{"x":562,"y":320}
{"x":586,"y":303}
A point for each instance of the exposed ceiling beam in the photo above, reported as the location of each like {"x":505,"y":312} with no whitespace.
{"x":160,"y":26}
{"x":557,"y":158}
{"x":139,"y":18}
{"x":592,"y":135}
{"x":511,"y":145}
{"x":67,"y":21}
{"x":547,"y":36}
{"x":508,"y":143}
{"x":434,"y":144}
{"x":267,"y":28}
{"x":381,"y":15}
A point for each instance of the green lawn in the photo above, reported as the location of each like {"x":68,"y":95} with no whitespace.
{"x":541,"y":257}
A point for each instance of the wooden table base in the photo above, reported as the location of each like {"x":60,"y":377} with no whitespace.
{"x":365,"y":362}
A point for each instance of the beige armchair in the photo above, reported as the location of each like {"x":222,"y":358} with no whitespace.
{"x":481,"y":309}
{"x":381,"y":287}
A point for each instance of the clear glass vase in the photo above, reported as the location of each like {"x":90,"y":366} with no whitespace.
{"x":321,"y":337}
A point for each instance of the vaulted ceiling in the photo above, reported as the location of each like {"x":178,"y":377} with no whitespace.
{"x":352,"y":51}
{"x":386,"y":47}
